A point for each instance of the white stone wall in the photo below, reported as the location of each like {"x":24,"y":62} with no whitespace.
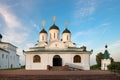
{"x":13,"y":58}
{"x":105,"y":63}
{"x":4,"y":59}
{"x":64,"y":37}
{"x":41,"y":37}
{"x":67,"y":59}
{"x":51,"y":35}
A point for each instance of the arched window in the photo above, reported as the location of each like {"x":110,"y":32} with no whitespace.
{"x":67,"y":37}
{"x":50,"y":36}
{"x":54,"y":35}
{"x":36,"y":59}
{"x":77,"y":59}
{"x":42,"y":37}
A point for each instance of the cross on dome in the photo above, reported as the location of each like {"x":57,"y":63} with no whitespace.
{"x":66,"y":24}
{"x":54,"y":19}
{"x":43,"y":23}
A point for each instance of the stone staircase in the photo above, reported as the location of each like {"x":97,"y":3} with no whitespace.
{"x":58,"y":68}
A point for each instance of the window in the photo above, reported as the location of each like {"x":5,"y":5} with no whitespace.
{"x":77,"y":59}
{"x":6,"y":56}
{"x":54,"y":35}
{"x":2,"y":55}
{"x":36,"y":59}
{"x":67,"y":37}
{"x":42,"y":37}
{"x":57,"y":35}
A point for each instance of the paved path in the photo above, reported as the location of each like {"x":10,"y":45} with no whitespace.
{"x":45,"y":72}
{"x":56,"y":75}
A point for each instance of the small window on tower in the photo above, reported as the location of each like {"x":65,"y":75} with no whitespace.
{"x":67,"y":37}
{"x":42,"y":37}
{"x":50,"y":35}
{"x":54,"y":35}
{"x":57,"y":35}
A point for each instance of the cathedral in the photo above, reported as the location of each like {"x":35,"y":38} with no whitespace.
{"x":51,"y":50}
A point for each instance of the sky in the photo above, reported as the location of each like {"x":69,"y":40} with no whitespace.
{"x":93,"y":23}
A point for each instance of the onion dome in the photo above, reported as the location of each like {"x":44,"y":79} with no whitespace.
{"x":54,"y":27}
{"x":43,"y":31}
{"x":106,"y":53}
{"x":0,"y":36}
{"x":66,"y":31}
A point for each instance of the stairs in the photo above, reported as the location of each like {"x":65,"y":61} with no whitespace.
{"x":58,"y":68}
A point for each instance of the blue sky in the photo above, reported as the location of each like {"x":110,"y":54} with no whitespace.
{"x":93,"y":23}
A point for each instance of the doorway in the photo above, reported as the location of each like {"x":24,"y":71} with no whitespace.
{"x":57,"y":60}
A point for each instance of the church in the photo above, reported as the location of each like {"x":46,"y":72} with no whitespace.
{"x":8,"y":56}
{"x":53,"y":51}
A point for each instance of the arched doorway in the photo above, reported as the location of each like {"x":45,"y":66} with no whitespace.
{"x":57,"y":60}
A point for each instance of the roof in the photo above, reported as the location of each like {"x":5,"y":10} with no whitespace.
{"x":106,"y":55}
{"x":66,"y":31}
{"x":4,"y":50}
{"x":43,"y":31}
{"x":54,"y":27}
{"x":7,"y":43}
{"x":56,"y":51}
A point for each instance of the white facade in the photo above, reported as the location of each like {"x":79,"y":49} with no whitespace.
{"x":105,"y":63}
{"x":56,"y":52}
{"x":8,"y":56}
{"x":4,"y":59}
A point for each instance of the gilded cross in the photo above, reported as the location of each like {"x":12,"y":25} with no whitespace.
{"x":43,"y":23}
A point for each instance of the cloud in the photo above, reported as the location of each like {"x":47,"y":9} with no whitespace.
{"x":15,"y":31}
{"x":9,"y":18}
{"x":115,"y":45}
{"x":85,"y":8}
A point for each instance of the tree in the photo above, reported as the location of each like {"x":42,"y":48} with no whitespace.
{"x":112,"y":60}
{"x":114,"y":66}
{"x":99,"y":56}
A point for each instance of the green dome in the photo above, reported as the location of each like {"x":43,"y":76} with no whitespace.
{"x":106,"y":55}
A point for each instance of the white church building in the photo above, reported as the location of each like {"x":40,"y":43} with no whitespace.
{"x":53,"y":51}
{"x":106,"y":59}
{"x":8,"y":56}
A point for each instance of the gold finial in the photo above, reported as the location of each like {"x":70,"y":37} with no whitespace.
{"x":54,"y":18}
{"x":43,"y":23}
{"x":66,"y":24}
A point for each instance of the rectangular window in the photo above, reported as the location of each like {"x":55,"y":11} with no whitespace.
{"x":2,"y":56}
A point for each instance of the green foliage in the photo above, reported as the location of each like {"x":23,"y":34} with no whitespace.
{"x":94,"y":67}
{"x":99,"y":56}
{"x":114,"y":66}
{"x":11,"y":69}
{"x":112,"y":60}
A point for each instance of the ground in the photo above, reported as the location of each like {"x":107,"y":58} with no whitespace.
{"x":22,"y":74}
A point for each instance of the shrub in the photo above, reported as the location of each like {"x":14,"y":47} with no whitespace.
{"x":114,"y":66}
{"x":95,"y":67}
